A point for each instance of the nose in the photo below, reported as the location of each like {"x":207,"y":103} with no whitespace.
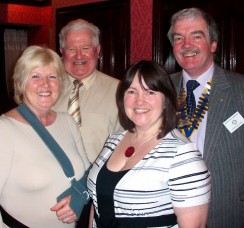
{"x":140,"y":98}
{"x":78,"y":53}
{"x":45,"y":81}
{"x":187,"y":42}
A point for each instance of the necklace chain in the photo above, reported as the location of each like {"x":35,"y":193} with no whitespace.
{"x":131,"y":149}
{"x":189,"y":125}
{"x":146,"y":141}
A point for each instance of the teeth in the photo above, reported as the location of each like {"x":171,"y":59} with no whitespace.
{"x":79,"y":63}
{"x":44,"y":94}
{"x":190,"y":54}
{"x":141,"y":110}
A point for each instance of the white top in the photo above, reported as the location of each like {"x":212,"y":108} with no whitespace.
{"x":30,"y":176}
{"x":172,"y":174}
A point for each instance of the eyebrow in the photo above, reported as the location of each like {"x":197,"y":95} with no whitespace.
{"x":198,"y":32}
{"x":192,"y":33}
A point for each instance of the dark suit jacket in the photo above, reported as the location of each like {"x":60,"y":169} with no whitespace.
{"x":224,"y":151}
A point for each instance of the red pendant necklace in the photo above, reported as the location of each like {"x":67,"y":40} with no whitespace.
{"x":131,"y":149}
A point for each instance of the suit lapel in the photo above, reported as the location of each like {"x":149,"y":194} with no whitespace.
{"x":219,"y":101}
{"x":176,"y":79}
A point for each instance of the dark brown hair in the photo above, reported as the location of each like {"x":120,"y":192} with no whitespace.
{"x":156,"y":79}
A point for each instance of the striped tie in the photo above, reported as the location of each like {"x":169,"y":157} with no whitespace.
{"x":73,"y":104}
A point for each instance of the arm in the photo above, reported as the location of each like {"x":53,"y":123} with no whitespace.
{"x":190,"y":185}
{"x":6,"y":157}
{"x":91,"y":217}
{"x":192,"y":217}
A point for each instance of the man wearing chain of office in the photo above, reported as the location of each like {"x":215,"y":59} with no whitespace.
{"x":210,"y":112}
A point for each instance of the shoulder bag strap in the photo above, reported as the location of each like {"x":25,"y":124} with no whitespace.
{"x":78,"y":190}
{"x":48,"y":139}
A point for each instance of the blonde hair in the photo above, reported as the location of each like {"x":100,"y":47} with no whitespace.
{"x":33,"y":57}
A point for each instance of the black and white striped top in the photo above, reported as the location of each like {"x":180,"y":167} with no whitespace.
{"x":172,"y":174}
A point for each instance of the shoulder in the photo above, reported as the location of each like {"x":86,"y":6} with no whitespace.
{"x":113,"y":140}
{"x":11,"y":118}
{"x":236,"y":78}
{"x":107,"y":78}
{"x":104,"y":87}
{"x":177,"y":137}
{"x":14,"y":114}
{"x":4,"y":121}
{"x":179,"y":143}
{"x":64,"y":117}
{"x":229,"y":84}
{"x":176,"y":74}
{"x":115,"y":137}
{"x":66,"y":125}
{"x":108,"y":148}
{"x":231,"y":76}
{"x":176,"y":78}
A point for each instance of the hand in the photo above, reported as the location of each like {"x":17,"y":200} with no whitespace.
{"x":64,"y":212}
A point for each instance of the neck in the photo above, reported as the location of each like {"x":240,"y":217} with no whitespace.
{"x":46,"y":117}
{"x":142,"y":133}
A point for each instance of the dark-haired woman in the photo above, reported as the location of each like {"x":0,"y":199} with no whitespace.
{"x":150,"y":175}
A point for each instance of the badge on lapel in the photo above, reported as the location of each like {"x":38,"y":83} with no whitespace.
{"x":234,"y":122}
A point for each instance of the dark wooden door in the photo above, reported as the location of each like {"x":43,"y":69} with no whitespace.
{"x":4,"y":100}
{"x":6,"y":88}
{"x":229,"y":15}
{"x":113,"y":20}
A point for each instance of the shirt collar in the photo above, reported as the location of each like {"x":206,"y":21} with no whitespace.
{"x":88,"y":81}
{"x":202,"y":79}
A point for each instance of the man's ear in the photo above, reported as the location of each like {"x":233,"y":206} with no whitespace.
{"x":98,"y":49}
{"x":213,"y":46}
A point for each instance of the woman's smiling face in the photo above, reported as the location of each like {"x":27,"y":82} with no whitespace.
{"x":143,"y":106}
{"x":42,"y":88}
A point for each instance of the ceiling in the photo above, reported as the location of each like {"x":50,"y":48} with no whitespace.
{"x":28,"y":2}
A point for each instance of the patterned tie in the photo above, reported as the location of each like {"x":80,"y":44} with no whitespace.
{"x":73,"y":104}
{"x":190,"y":98}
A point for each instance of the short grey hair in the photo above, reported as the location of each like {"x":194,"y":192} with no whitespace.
{"x":79,"y":24}
{"x":193,"y":13}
